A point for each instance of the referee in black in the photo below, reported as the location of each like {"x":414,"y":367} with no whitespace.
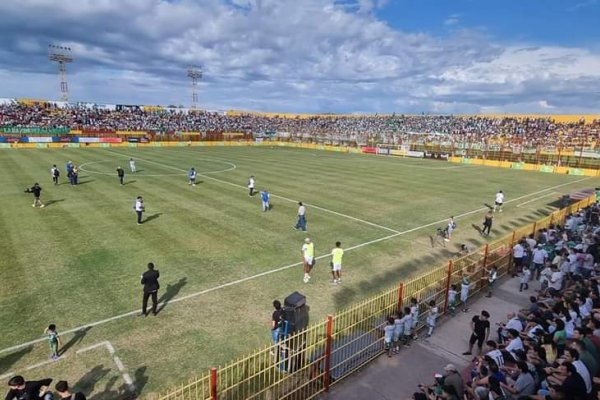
{"x":151,"y":286}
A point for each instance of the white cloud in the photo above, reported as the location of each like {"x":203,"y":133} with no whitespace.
{"x":281,"y":55}
{"x":452,"y":20}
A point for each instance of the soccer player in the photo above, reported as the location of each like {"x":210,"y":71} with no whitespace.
{"x":336,"y":263}
{"x":121,"y":175}
{"x":265,"y":197}
{"x":451,"y":226}
{"x":487,"y":223}
{"x":132,"y":164}
{"x":54,"y":171}
{"x":251,"y":183}
{"x":192,"y":176}
{"x":308,"y":255}
{"x":499,"y":201}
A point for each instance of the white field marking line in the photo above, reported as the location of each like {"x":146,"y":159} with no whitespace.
{"x":276,"y":196}
{"x":106,"y":344}
{"x":273,"y":271}
{"x":231,"y":168}
{"x":111,"y":350}
{"x":532,"y":200}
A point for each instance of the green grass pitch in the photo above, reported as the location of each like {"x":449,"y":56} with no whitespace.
{"x":78,"y":260}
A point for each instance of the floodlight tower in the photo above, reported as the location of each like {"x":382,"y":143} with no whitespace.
{"x":61,"y":55}
{"x":195,"y":73}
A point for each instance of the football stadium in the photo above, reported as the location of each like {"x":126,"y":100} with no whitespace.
{"x":202,"y":252}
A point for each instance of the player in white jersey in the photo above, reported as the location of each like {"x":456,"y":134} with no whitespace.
{"x":499,"y":201}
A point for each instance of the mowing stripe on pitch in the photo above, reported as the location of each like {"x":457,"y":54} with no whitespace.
{"x":273,"y":271}
{"x":273,"y":195}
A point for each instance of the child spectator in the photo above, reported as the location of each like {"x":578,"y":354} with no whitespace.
{"x":407,"y":326}
{"x":388,"y":335}
{"x":398,"y":330}
{"x":414,"y":316}
{"x":431,"y":317}
{"x":53,"y":340}
{"x":525,"y":276}
{"x":452,"y":300}
{"x":464,"y":292}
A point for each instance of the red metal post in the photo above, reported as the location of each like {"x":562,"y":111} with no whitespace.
{"x":448,"y":282}
{"x":400,"y":295}
{"x":213,"y":384}
{"x":327,"y":372}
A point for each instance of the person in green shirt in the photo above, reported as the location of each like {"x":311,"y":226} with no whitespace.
{"x":336,"y":263}
{"x":53,"y":340}
{"x":560,"y":337}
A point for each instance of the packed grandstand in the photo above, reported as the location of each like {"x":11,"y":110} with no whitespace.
{"x":16,"y":117}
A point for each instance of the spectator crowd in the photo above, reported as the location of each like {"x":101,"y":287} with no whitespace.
{"x":549,"y":349}
{"x":351,"y":129}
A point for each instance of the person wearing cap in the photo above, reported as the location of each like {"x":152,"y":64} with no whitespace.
{"x":30,"y":390}
{"x":308,"y":257}
{"x":453,"y":378}
{"x":121,"y":175}
{"x":62,"y":387}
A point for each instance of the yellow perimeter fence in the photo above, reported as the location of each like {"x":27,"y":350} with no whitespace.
{"x":310,"y":362}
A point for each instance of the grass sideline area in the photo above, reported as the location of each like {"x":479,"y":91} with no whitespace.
{"x":222,"y":260}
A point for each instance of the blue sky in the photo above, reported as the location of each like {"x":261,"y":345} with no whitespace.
{"x":545,"y":22}
{"x":341,"y":56}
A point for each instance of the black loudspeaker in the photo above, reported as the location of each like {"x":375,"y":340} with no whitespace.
{"x":295,"y":312}
{"x":295,"y":300}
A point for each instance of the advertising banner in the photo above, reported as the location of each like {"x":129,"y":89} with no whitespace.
{"x":34,"y":130}
{"x":38,"y":139}
{"x":370,"y":150}
{"x":418,"y":154}
{"x":87,"y":139}
{"x":381,"y":150}
{"x":133,"y":140}
{"x":546,"y":168}
{"x":110,"y":140}
{"x":576,"y":171}
{"x":517,"y":165}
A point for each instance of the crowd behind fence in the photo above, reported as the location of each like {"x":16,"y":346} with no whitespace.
{"x":308,"y":363}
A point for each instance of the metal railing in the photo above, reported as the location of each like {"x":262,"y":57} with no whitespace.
{"x":307,"y":363}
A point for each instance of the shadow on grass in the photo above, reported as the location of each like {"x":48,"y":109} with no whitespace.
{"x":84,"y":182}
{"x":50,"y":202}
{"x":477,"y":228}
{"x":172,"y":291}
{"x":111,"y":392}
{"x":129,"y":182}
{"x":488,"y":206}
{"x":153,"y":216}
{"x":87,"y":383}
{"x":9,"y":360}
{"x":75,"y":339}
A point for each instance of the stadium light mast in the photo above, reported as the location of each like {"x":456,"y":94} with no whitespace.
{"x":61,"y":55}
{"x":195,"y":74}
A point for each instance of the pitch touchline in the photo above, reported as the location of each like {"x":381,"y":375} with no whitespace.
{"x":273,"y":195}
{"x":273,"y":271}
